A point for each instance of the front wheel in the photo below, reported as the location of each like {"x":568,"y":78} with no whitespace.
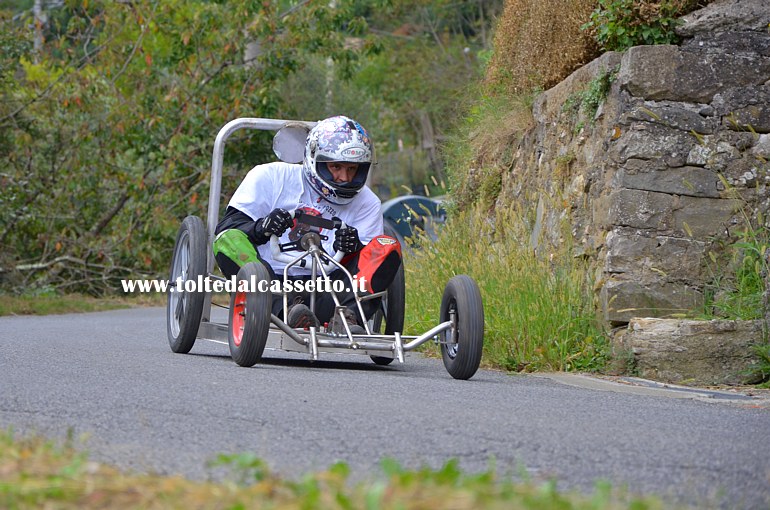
{"x":462,"y":305}
{"x":184,"y":309}
{"x":249,"y":315}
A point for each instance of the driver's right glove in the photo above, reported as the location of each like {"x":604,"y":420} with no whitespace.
{"x":274,"y":224}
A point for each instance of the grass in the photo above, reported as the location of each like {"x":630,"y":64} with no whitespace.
{"x":483,"y":147}
{"x":539,"y":310}
{"x":47,"y":304}
{"x":35,"y":473}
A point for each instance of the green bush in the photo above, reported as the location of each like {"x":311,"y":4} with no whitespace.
{"x":620,"y":24}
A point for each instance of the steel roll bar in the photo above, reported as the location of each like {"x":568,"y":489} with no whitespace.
{"x":215,"y":189}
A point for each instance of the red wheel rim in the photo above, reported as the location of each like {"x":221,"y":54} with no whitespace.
{"x":237,"y":317}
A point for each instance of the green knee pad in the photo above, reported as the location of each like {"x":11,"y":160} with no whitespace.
{"x":235,"y":245}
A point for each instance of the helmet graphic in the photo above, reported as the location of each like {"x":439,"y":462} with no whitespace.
{"x":338,"y":139}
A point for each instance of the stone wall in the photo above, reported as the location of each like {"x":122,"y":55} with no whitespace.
{"x":667,"y":168}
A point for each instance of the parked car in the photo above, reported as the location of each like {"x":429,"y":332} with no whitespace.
{"x":407,"y":215}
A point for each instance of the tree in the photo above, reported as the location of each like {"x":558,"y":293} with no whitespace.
{"x":106,"y":133}
{"x":108,"y":137}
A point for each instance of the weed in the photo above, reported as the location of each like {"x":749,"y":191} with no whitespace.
{"x":584,"y":104}
{"x":539,"y":309}
{"x":246,"y":468}
{"x":561,"y":166}
{"x":737,"y":289}
{"x":46,"y":304}
{"x":482,"y":149}
{"x":761,"y":371}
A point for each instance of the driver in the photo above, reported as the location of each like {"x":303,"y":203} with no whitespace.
{"x":330,"y":182}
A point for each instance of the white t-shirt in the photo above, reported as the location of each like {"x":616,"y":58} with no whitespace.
{"x":278,"y":184}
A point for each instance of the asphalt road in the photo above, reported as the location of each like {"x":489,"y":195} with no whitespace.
{"x":111,"y":379}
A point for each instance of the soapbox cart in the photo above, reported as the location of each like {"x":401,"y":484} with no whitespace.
{"x":251,"y":327}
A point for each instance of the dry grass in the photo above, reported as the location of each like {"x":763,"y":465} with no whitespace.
{"x":72,"y":303}
{"x":538,"y":43}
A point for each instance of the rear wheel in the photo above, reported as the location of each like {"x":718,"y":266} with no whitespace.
{"x":249,"y":316}
{"x":462,"y":304}
{"x":184,"y":309}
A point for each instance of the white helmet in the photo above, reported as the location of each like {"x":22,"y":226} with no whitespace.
{"x":337,"y":139}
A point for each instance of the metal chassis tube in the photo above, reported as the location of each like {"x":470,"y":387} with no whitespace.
{"x":318,"y":340}
{"x":363,"y":342}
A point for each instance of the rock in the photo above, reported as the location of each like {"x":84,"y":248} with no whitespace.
{"x":658,"y":178}
{"x":648,"y":258}
{"x":713,"y":153}
{"x":640,"y":209}
{"x":754,"y":117}
{"x":693,"y":352}
{"x":622,"y":300}
{"x":673,"y":115}
{"x":726,"y":16}
{"x":651,"y":176}
{"x":653,"y":142}
{"x":762,"y":147}
{"x":688,"y":74}
{"x":702,"y":218}
{"x":745,"y":108}
{"x":549,"y":103}
{"x":737,"y":42}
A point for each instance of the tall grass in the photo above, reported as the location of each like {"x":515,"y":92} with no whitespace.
{"x":736,"y":289}
{"x":539,"y":310}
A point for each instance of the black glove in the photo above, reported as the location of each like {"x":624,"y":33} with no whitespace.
{"x":346,"y":240}
{"x":274,"y":223}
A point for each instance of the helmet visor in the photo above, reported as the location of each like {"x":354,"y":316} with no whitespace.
{"x":354,"y":185}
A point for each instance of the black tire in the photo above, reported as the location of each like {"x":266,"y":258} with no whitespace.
{"x":184,"y":309}
{"x":249,"y":322}
{"x":462,"y":296}
{"x":391,"y":311}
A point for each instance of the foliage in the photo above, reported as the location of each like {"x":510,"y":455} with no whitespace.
{"x":539,"y":310}
{"x":107,"y":131}
{"x":39,"y":474}
{"x":408,"y":93}
{"x":762,"y":369}
{"x":620,"y":24}
{"x":47,"y":302}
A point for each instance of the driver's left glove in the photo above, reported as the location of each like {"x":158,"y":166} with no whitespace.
{"x":346,"y":240}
